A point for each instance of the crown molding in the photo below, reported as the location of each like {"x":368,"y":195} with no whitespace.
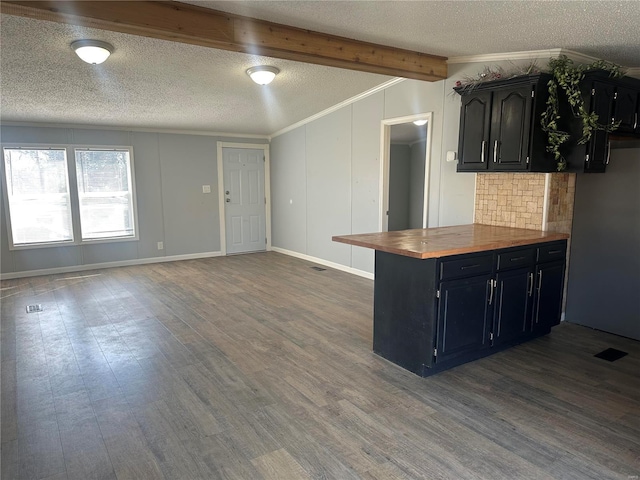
{"x":338,"y":106}
{"x":124,"y":128}
{"x":633,"y":72}
{"x":527,"y":55}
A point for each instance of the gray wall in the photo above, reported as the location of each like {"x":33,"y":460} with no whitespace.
{"x":350,"y":173}
{"x":399,"y":186}
{"x":604,"y":266}
{"x":416,"y":188}
{"x":170,"y":170}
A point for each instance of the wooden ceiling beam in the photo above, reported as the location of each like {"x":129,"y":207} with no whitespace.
{"x":180,"y":22}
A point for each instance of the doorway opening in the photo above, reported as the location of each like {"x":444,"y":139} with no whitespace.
{"x":404,"y":177}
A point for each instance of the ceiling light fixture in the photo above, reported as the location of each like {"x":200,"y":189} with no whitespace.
{"x":419,"y":123}
{"x":92,"y":51}
{"x":263,"y":74}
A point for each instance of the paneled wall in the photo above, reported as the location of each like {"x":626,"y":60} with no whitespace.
{"x":170,"y":170}
{"x":325,"y":175}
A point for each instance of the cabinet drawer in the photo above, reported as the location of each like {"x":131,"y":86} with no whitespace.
{"x":516,"y":258}
{"x":552,"y":251}
{"x":466,"y":267}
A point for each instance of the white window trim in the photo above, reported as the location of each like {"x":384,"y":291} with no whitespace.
{"x":73,"y":194}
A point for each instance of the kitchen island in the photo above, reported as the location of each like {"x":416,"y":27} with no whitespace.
{"x":445,"y":296}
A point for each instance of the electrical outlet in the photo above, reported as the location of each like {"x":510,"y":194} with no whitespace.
{"x":206,"y":188}
{"x":160,"y":245}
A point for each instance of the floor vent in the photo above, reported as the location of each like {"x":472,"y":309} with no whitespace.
{"x":319,"y":269}
{"x":610,"y":354}
{"x":34,"y":308}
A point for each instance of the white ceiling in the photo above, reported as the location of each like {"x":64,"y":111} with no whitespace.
{"x":158,"y":84}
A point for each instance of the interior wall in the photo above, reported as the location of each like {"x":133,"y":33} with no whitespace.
{"x":169,"y":169}
{"x":343,"y":148}
{"x":416,"y":188}
{"x":604,"y":269}
{"x":399,"y":186}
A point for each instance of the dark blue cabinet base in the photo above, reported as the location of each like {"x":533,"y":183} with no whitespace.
{"x":434,"y":314}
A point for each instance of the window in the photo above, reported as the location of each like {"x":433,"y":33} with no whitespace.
{"x":43,"y":207}
{"x":38,"y":195}
{"x":104,"y":193}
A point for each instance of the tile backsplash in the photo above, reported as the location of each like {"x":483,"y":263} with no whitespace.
{"x":538,"y":201}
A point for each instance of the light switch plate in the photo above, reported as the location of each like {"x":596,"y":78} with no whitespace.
{"x":206,"y":188}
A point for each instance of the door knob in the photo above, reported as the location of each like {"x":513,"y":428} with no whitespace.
{"x":227,"y":192}
{"x":228,"y":200}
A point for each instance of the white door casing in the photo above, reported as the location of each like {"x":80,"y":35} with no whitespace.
{"x":385,"y":141}
{"x":243,"y":196}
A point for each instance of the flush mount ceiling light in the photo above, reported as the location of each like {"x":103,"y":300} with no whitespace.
{"x":92,"y":51}
{"x":263,"y":74}
{"x":420,"y":122}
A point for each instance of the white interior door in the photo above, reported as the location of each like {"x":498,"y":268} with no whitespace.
{"x":245,"y":202}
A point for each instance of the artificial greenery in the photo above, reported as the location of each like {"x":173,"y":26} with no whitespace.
{"x":567,"y":76}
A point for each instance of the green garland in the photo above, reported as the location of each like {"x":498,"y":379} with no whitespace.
{"x":568,"y":77}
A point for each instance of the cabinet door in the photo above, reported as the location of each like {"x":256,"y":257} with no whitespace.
{"x":598,"y":148}
{"x":473,"y":145}
{"x":510,"y":129}
{"x":463,"y":317}
{"x":625,"y":109}
{"x":548,"y":295}
{"x":512,"y":309}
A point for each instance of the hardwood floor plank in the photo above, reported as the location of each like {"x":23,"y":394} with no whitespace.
{"x":85,"y":453}
{"x":279,"y":465}
{"x":39,"y":449}
{"x":128,"y":449}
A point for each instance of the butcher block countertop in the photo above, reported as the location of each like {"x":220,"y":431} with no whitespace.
{"x":444,"y":241}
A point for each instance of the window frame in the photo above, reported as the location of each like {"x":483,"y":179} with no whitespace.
{"x":134,"y":204}
{"x":72,"y":182}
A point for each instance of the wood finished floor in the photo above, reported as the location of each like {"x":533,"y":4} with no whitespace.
{"x":258,"y":367}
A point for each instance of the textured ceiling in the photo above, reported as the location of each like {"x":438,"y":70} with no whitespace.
{"x":606,"y":29}
{"x":158,"y":84}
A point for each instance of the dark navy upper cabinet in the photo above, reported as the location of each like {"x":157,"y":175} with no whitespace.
{"x":626,"y":110}
{"x":475,"y":122}
{"x":501,"y":131}
{"x":498,"y":127}
{"x":614,"y":101}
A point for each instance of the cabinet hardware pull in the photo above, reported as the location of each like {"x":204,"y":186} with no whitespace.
{"x":496,"y":144}
{"x":635,"y":120}
{"x":608,"y":153}
{"x":483,"y":148}
{"x":530,"y":283}
{"x":476,"y":265}
{"x":539,"y":280}
{"x":553,"y":252}
{"x":515,"y":259}
{"x":491,"y":292}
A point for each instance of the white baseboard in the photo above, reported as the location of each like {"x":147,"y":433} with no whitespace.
{"x":97,"y":266}
{"x":321,"y":261}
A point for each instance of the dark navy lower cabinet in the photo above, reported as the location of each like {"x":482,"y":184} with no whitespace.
{"x":433,"y":314}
